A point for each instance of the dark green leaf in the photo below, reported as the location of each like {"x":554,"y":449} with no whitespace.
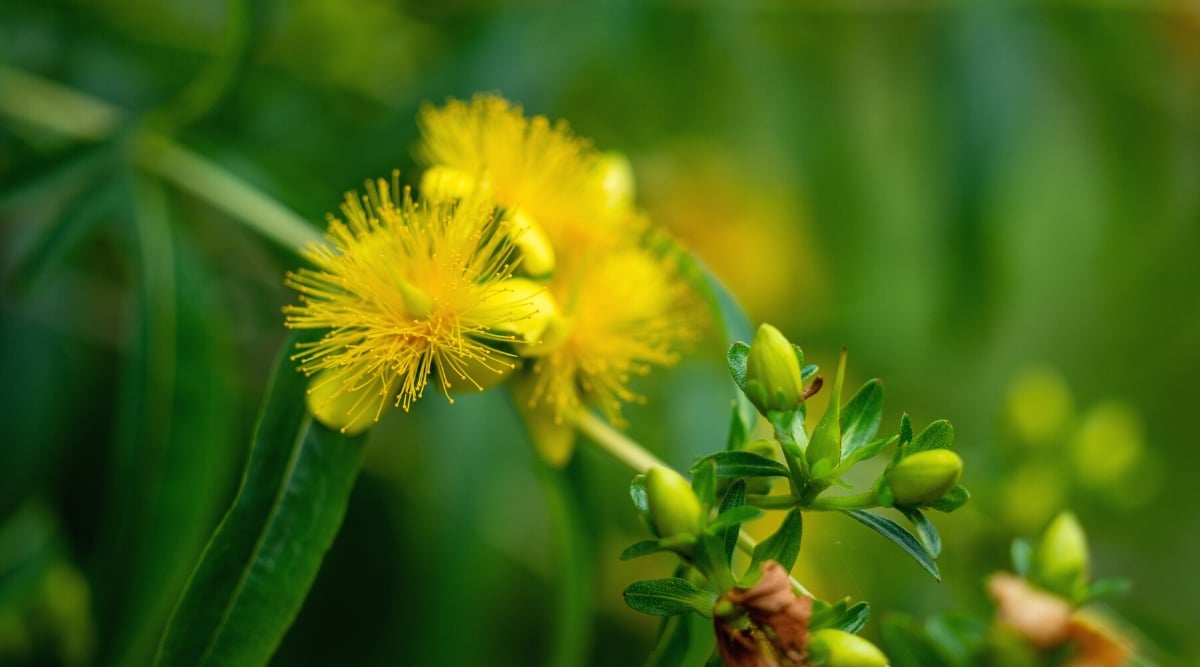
{"x":57,"y":170}
{"x":861,"y":417}
{"x":783,"y":547}
{"x":938,"y":435}
{"x":739,"y":431}
{"x":957,"y":637}
{"x":954,"y":499}
{"x":704,"y":482}
{"x":741,"y":464}
{"x":734,"y":517}
{"x":669,"y":597}
{"x":1111,"y":586}
{"x":260,"y":563}
{"x":52,"y":246}
{"x":736,"y":360}
{"x":643,"y":548}
{"x":897,"y":534}
{"x":926,"y":532}
{"x":906,"y":430}
{"x":682,"y":640}
{"x":735,"y":497}
{"x":1022,"y":556}
{"x":825,"y":448}
{"x":853,"y":619}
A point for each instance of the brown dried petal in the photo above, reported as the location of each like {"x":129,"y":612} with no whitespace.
{"x":778,"y":632}
{"x":1039,"y":617}
{"x":1097,"y":644}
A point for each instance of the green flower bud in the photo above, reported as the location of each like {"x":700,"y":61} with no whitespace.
{"x":674,"y":507}
{"x":773,"y":379}
{"x":922,"y":478}
{"x":1060,"y":563}
{"x":835,"y":648}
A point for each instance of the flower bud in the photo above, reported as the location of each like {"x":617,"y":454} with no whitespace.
{"x":922,"y":478}
{"x":773,"y":380}
{"x":537,"y":253}
{"x":835,"y":648}
{"x":673,"y":505}
{"x":1060,"y":563}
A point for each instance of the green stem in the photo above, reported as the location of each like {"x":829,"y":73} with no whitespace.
{"x":48,"y":105}
{"x":571,"y":639}
{"x":857,"y":501}
{"x":615,"y":444}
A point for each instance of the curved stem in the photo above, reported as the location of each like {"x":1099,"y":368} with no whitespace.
{"x":614,"y":443}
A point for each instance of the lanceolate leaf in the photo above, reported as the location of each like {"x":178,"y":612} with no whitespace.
{"x":939,"y":434}
{"x":926,"y":532}
{"x":742,"y":464}
{"x":669,"y":597}
{"x":783,"y":547}
{"x":258,"y":566}
{"x":896,"y":533}
{"x":861,"y":417}
{"x":735,"y":497}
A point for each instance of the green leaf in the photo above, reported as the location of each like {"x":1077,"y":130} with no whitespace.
{"x":825,"y":448}
{"x":739,"y":430}
{"x":783,"y":547}
{"x":741,"y":464}
{"x":906,"y":430}
{"x":637,"y":492}
{"x":957,"y":637}
{"x":861,"y":417}
{"x":863,"y":453}
{"x":263,"y":557}
{"x":58,"y":170}
{"x":735,"y":497}
{"x":954,"y":499}
{"x":926,"y":532}
{"x":853,"y":619}
{"x":938,"y":435}
{"x":669,"y":597}
{"x":682,"y":640}
{"x":736,"y":360}
{"x":901,"y":537}
{"x":808,"y":371}
{"x":1022,"y":556}
{"x":1110,"y":586}
{"x":734,"y":518}
{"x":643,"y":548}
{"x":704,"y":482}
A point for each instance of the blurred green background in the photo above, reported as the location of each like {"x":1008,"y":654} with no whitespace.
{"x":993,"y":205}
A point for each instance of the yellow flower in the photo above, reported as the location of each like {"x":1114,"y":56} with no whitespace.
{"x":407,"y":289}
{"x":622,"y":312}
{"x":554,"y":182}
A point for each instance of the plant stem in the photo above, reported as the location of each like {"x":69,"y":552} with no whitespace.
{"x":767,"y":502}
{"x":46,"y":104}
{"x":614,"y":443}
{"x":857,"y":501}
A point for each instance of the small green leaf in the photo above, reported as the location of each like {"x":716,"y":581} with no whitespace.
{"x":783,"y":547}
{"x":1022,"y":556}
{"x":704,"y":482}
{"x":735,"y":497}
{"x":905,"y":643}
{"x":637,"y":492}
{"x":682,"y":640}
{"x":957,"y":636}
{"x":826,"y":442}
{"x":736,"y":360}
{"x":938,"y":435}
{"x":807,"y":372}
{"x":901,"y":537}
{"x":1108,"y":587}
{"x":863,"y":453}
{"x":854,"y":618}
{"x":861,"y":417}
{"x":926,"y":532}
{"x":734,"y":517}
{"x":739,"y":430}
{"x":825,"y":614}
{"x":906,"y":430}
{"x":741,"y":464}
{"x":643,"y":548}
{"x":669,"y":597}
{"x":954,"y":499}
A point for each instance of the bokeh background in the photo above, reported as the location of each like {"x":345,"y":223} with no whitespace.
{"x":993,"y":205}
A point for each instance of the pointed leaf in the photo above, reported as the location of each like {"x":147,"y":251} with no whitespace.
{"x":704,"y":482}
{"x":735,"y":497}
{"x":825,"y":448}
{"x":954,"y":499}
{"x":861,"y":417}
{"x":854,"y":618}
{"x":926,"y":532}
{"x":733,"y":518}
{"x":643,"y":548}
{"x":637,"y":492}
{"x":739,"y":431}
{"x":938,"y":435}
{"x":736,"y":360}
{"x":669,"y":597}
{"x":783,"y":547}
{"x":258,"y":566}
{"x":742,"y":464}
{"x":901,"y":537}
{"x":1022,"y":556}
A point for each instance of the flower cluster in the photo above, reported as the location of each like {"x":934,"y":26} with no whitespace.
{"x":523,"y":254}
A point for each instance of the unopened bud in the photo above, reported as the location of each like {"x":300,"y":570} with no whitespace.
{"x":922,"y":478}
{"x":673,"y":505}
{"x":537,"y":253}
{"x":1060,"y":563}
{"x":773,"y":381}
{"x":836,"y":648}
{"x":616,"y":178}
